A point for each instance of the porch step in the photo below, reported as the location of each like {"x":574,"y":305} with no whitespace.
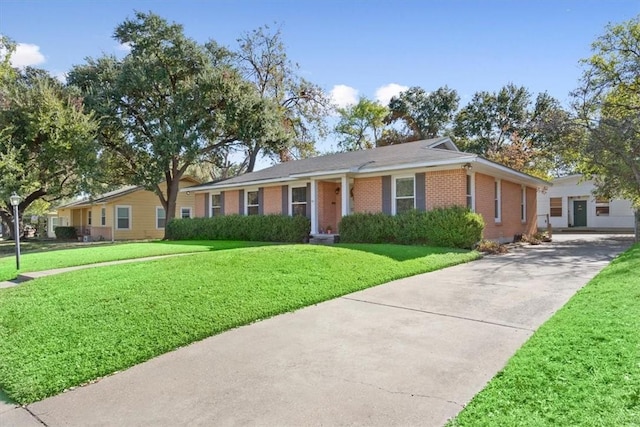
{"x":324,"y":239}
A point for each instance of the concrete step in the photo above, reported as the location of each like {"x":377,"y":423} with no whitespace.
{"x":324,"y":239}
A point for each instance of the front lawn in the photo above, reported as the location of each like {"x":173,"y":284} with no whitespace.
{"x":581,"y":368}
{"x":39,"y":261}
{"x":62,"y":331}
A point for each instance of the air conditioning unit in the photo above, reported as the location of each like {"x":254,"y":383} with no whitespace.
{"x":86,"y":238}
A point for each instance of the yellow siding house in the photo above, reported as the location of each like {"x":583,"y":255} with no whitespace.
{"x":129,"y":213}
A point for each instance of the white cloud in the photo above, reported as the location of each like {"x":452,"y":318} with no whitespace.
{"x":125,"y":47}
{"x":385,"y":93}
{"x":26,"y":54}
{"x":61,"y":76}
{"x":343,"y":95}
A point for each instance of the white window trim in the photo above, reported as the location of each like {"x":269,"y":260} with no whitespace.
{"x":158,"y":217}
{"x":473,"y":190}
{"x":394,"y":180}
{"x":291,"y":187}
{"x":128,"y":207}
{"x":498,"y":195}
{"x":523,"y":204}
{"x":246,"y":199}
{"x":187,"y":208}
{"x":211,"y":205}
{"x":103,"y":218}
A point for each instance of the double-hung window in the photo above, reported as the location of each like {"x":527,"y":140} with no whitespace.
{"x":523,"y":204}
{"x":161,"y":217}
{"x":123,"y":217}
{"x":89,"y":217}
{"x":216,"y":205}
{"x":405,"y":194}
{"x":253,"y":207}
{"x":103,"y":216}
{"x":299,"y":201}
{"x":602,"y":206}
{"x":470,"y":192}
{"x":185,"y":213}
{"x":555,"y":206}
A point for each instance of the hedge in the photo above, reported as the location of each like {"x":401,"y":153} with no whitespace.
{"x":454,"y":227}
{"x":65,"y":233}
{"x":256,"y":228}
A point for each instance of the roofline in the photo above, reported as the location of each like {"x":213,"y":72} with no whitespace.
{"x":521,"y":175}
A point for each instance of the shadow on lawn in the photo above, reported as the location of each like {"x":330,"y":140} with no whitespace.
{"x":216,"y":245}
{"x":5,"y":398}
{"x":399,"y":252}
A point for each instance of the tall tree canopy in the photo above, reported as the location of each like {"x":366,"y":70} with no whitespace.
{"x":360,"y":125}
{"x":170,"y":103}
{"x":424,"y":114}
{"x":608,"y":106}
{"x":47,"y":143}
{"x":510,"y":128}
{"x":303,"y":106}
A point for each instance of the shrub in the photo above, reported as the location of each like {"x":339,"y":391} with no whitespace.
{"x":257,"y":228}
{"x":65,"y":233}
{"x":454,"y":227}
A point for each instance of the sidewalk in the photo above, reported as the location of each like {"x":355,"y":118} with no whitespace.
{"x":410,"y":352}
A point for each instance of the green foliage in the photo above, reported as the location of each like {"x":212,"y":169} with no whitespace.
{"x":94,"y":322}
{"x":254,"y":228}
{"x":581,"y":368}
{"x":425,"y":114}
{"x":360,"y":125}
{"x":65,"y":233}
{"x":454,"y":227}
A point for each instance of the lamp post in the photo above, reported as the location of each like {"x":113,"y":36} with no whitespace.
{"x":15,"y":201}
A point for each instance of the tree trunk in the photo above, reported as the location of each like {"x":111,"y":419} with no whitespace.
{"x":173,"y":188}
{"x":253,"y":156}
{"x":7,"y":221}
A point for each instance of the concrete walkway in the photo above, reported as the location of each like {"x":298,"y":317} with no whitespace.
{"x":411,"y":352}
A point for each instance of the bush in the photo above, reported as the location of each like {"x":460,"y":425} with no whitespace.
{"x":257,"y":228}
{"x":454,"y":227}
{"x":65,"y":233}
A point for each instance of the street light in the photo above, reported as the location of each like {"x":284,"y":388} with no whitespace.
{"x":15,"y":201}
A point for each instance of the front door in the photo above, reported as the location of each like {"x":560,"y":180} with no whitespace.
{"x":579,"y":213}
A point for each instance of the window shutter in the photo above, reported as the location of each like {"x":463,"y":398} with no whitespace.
{"x":260,"y":201}
{"x":386,"y":194}
{"x":241,"y":202}
{"x":207,"y":207}
{"x":285,"y":200}
{"x":222,"y":203}
{"x":421,"y":202}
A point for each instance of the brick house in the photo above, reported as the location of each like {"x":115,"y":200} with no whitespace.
{"x":423,"y":175}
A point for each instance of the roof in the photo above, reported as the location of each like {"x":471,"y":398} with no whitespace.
{"x":394,"y":157}
{"x":111,"y":195}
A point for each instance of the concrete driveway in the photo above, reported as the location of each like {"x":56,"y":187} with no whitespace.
{"x":411,"y":352}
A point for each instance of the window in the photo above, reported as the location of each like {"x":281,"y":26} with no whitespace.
{"x":405,"y":194}
{"x":216,"y":205}
{"x":470,"y":192}
{"x":299,"y":201}
{"x":103,"y":217}
{"x":161,"y":217}
{"x":252,"y":203}
{"x":523,"y":204}
{"x":89,"y":217}
{"x":496,"y":201}
{"x":185,"y":213}
{"x":123,"y":217}
{"x":555,"y":206}
{"x":602,"y":206}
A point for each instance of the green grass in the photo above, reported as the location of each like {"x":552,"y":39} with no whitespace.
{"x":39,"y":261}
{"x":581,"y":368}
{"x":62,"y":331}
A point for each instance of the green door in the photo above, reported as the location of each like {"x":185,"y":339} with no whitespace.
{"x":579,"y":213}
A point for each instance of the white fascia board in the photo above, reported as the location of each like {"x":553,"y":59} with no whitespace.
{"x":459,"y":160}
{"x":512,"y":172}
{"x":238,"y":185}
{"x":324,"y":174}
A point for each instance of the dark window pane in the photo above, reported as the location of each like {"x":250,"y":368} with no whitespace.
{"x":123,"y":222}
{"x":299,"y":195}
{"x":252,"y":210}
{"x":252,"y":198}
{"x":403,"y":205}
{"x":404,"y":187}
{"x":216,"y":211}
{"x":215,"y":200}
{"x":299,"y":209}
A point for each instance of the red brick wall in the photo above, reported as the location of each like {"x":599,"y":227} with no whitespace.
{"x":199,"y":199}
{"x":511,"y":222}
{"x":446,"y":188}
{"x":272,"y":200}
{"x":367,"y":194}
{"x":231,"y":202}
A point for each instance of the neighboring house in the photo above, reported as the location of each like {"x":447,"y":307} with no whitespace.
{"x":571,"y":203}
{"x":422,"y":175}
{"x":128,"y":213}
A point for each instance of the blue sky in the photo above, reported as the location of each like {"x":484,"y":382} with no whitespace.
{"x":355,"y":48}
